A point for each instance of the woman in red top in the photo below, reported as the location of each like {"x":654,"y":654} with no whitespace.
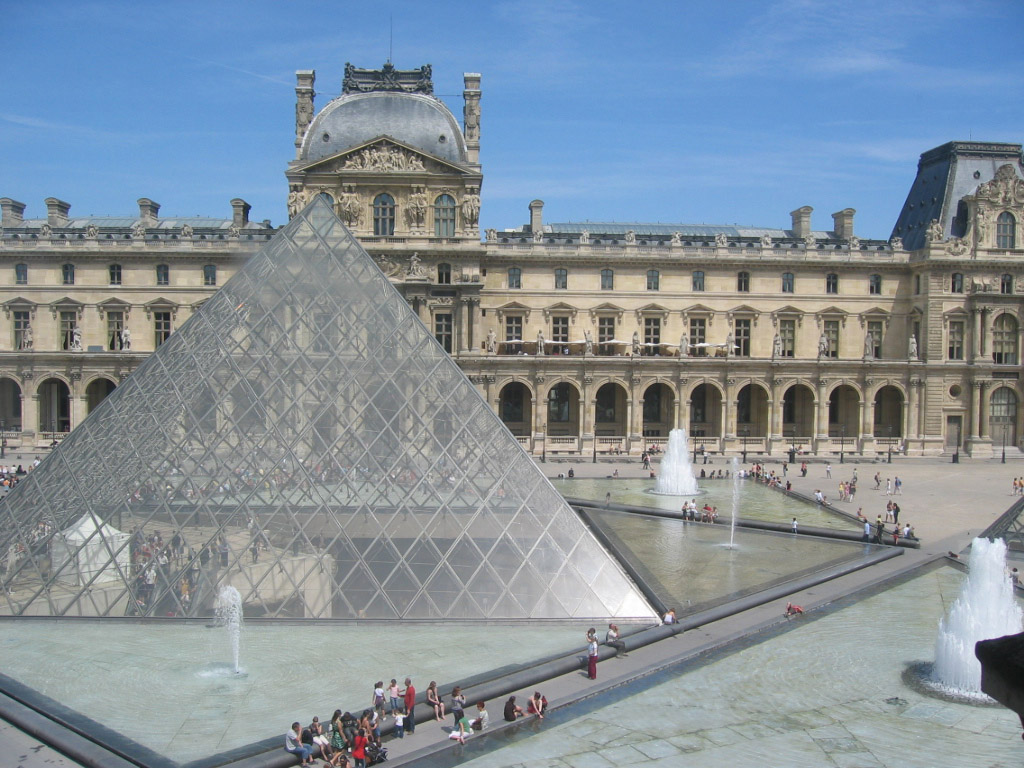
{"x":359,"y":749}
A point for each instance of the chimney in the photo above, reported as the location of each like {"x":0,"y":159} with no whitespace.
{"x":240,"y":212}
{"x":802,"y":221}
{"x":148,"y":210}
{"x":537,"y":216}
{"x":13,"y":213}
{"x":57,"y":212}
{"x":843,"y":223}
{"x":304,"y":79}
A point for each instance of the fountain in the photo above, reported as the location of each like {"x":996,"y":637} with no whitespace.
{"x":985,"y":609}
{"x":735,"y":501}
{"x":675,"y":475}
{"x":229,"y":611}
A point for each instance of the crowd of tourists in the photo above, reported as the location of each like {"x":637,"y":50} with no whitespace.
{"x":355,"y":741}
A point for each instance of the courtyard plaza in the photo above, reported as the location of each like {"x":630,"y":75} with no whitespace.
{"x":947,"y":505}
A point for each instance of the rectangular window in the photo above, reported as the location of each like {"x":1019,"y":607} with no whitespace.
{"x":742,"y":348}
{"x":21,"y":324}
{"x":607,"y":280}
{"x":875,"y":285}
{"x":698,"y":281}
{"x":831,"y":283}
{"x":787,"y":332}
{"x":561,"y":279}
{"x":67,"y":273}
{"x":443,"y":330}
{"x":444,"y":274}
{"x":513,"y":335}
{"x":21,"y":274}
{"x":515,"y":278}
{"x":115,"y":330}
{"x":875,"y":329}
{"x":161,"y":327}
{"x":831,"y":331}
{"x":560,"y":334}
{"x":163,"y":274}
{"x":956,"y":340}
{"x":743,"y":282}
{"x":787,"y":282}
{"x":653,"y":280}
{"x":605,"y":333}
{"x":698,"y":337}
{"x":68,"y":323}
{"x":210,"y":274}
{"x":115,"y":274}
{"x":652,"y":336}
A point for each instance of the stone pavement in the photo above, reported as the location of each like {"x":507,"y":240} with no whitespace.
{"x":946,"y":503}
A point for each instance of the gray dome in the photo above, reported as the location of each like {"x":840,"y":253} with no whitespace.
{"x":412,"y":118}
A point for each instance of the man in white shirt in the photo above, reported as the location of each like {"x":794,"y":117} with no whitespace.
{"x":293,"y":743}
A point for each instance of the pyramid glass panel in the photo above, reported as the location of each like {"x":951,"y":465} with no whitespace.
{"x":303,"y":438}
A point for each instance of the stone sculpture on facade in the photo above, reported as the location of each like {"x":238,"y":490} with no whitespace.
{"x":721,"y":240}
{"x":823,"y":345}
{"x":588,"y":342}
{"x":896,"y":243}
{"x":540,"y":343}
{"x":492,"y":235}
{"x":416,"y":210}
{"x":294,"y":200}
{"x":635,"y":346}
{"x":471,"y":210}
{"x":684,"y":345}
{"x":677,"y":238}
{"x":730,"y":344}
{"x":777,"y":346}
{"x":912,"y":347}
{"x":585,"y":237}
{"x":766,"y":241}
{"x":471,"y":117}
{"x":27,"y":337}
{"x":416,"y":267}
{"x":854,"y":243}
{"x":139,"y":230}
{"x":492,"y":342}
{"x":934,"y":234}
{"x":126,"y":339}
{"x":384,"y":157}
{"x":92,"y":232}
{"x":76,"y":339}
{"x":349,"y":209}
{"x":869,"y":346}
{"x":186,"y":230}
{"x":538,"y":235}
{"x":630,"y":236}
{"x":45,"y":230}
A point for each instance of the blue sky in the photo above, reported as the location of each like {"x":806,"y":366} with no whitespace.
{"x":713,"y":112}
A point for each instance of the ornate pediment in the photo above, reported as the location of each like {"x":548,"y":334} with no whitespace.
{"x":513,"y":308}
{"x":382,"y":155}
{"x":561,"y":308}
{"x":652,"y":309}
{"x":113,"y":305}
{"x":1007,"y":188}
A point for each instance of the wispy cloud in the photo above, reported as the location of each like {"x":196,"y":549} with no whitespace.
{"x":250,"y":73}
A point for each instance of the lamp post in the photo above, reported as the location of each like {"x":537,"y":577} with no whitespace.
{"x":744,"y":434}
{"x":956,"y":451}
{"x":792,"y":445}
{"x":1006,"y":428}
{"x":890,"y":443}
{"x":842,"y":444}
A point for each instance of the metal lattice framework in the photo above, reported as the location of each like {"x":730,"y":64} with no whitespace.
{"x":303,"y":438}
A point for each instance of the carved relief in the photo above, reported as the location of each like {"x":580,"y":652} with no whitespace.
{"x":384,"y":157}
{"x":92,"y":232}
{"x":294,"y":200}
{"x":471,"y":208}
{"x":766,"y":241}
{"x":896,"y":243}
{"x":471,"y":118}
{"x":956,"y":247}
{"x":416,"y":210}
{"x":677,"y":238}
{"x":934,"y":233}
{"x":349,"y":208}
{"x":721,"y":240}
{"x":45,"y":230}
{"x":585,"y":237}
{"x":388,"y":266}
{"x":139,"y":230}
{"x":492,"y":235}
{"x":854,"y":243}
{"x":1007,"y":188}
{"x":186,"y":230}
{"x":630,"y":236}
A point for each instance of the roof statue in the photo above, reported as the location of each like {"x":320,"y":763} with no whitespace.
{"x":303,"y":438}
{"x":387,"y":78}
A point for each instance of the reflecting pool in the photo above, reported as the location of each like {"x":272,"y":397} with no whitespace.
{"x":827,"y":693}
{"x":757,"y":501}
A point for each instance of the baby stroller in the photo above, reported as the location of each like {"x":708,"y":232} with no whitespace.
{"x":376,"y":754}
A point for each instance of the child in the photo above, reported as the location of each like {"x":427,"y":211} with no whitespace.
{"x":378,"y":697}
{"x":399,"y":723}
{"x":393,"y":693}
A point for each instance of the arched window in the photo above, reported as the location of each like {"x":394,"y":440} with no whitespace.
{"x":67,"y":273}
{"x":956,"y":283}
{"x":1004,"y":340}
{"x":1003,"y":406}
{"x":653,"y":280}
{"x":384,"y":215}
{"x":743,"y":282}
{"x":561,"y":279}
{"x":1006,"y":230}
{"x":607,"y":280}
{"x":787,"y":282}
{"x":326,"y":198}
{"x":1006,"y":284}
{"x":115,"y":274}
{"x":444,"y":216}
{"x":444,"y":274}
{"x":515,"y":277}
{"x":831,"y":283}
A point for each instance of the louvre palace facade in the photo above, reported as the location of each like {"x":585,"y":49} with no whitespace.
{"x":587,"y":339}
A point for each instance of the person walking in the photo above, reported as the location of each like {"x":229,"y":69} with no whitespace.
{"x":898,"y":485}
{"x":888,"y":486}
{"x":828,"y":471}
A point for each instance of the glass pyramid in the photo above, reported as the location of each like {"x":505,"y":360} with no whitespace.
{"x":303,"y":438}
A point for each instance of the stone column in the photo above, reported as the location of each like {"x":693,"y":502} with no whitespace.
{"x":29,"y":411}
{"x":33,"y":413}
{"x":78,"y":409}
{"x":986,"y":336}
{"x":975,"y":409}
{"x":975,"y":336}
{"x":724,"y":417}
{"x":821,"y":427}
{"x":675,"y":413}
{"x":913,"y":405}
{"x":983,"y":408}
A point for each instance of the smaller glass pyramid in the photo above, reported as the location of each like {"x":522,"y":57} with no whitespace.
{"x":304,"y":439}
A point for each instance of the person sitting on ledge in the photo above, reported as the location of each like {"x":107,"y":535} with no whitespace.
{"x":293,"y":743}
{"x":538,"y":705}
{"x":793,"y":610}
{"x":512,"y":710}
{"x":670,"y":617}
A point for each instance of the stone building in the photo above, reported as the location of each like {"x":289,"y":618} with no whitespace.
{"x":587,"y":339}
